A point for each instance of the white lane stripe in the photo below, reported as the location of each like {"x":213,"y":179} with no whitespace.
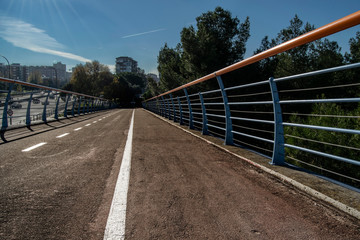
{"x":87,"y":124}
{"x":33,"y":147}
{"x":62,"y":135}
{"x":94,"y":121}
{"x":77,"y":129}
{"x":115,"y":226}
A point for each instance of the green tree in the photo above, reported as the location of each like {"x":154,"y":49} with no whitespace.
{"x":218,"y":41}
{"x":354,"y":55}
{"x":170,"y":67}
{"x":34,"y":77}
{"x":90,"y":78}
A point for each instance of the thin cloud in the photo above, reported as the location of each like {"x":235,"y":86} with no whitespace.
{"x":143,"y":33}
{"x":25,"y":35}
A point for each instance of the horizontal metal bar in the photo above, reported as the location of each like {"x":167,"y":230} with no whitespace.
{"x":248,"y":85}
{"x":250,"y":103}
{"x":214,"y":115}
{"x":253,"y":120}
{"x":333,"y":100}
{"x":254,"y":137}
{"x":332,"y":129}
{"x":197,"y":122}
{"x":197,"y":113}
{"x":342,"y":159}
{"x":212,"y":91}
{"x":195,"y":104}
{"x":309,"y":74}
{"x":210,"y":125}
{"x":213,"y":103}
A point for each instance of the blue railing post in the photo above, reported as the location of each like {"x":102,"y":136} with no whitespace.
{"x":66,"y":104}
{"x":278,"y":157}
{"x":204,"y":118}
{"x":73,"y":108}
{"x":228,"y":132}
{"x":180,"y":112}
{"x":173,"y":106}
{"x":88,"y":106}
{"x":163,"y":106}
{"x":79,"y":106}
{"x":28,"y":119}
{"x":57,"y":108}
{"x":6,"y":105}
{"x":45,"y":104}
{"x":191,"y":124}
{"x":83,"y":110}
{"x":92,"y":106}
{"x":168,"y":108}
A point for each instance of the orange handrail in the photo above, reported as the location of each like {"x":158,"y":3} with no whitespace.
{"x":331,"y":28}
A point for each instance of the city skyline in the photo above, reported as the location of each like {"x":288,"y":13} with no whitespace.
{"x":39,"y":32}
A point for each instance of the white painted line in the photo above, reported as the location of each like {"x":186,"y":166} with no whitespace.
{"x":87,"y":124}
{"x":62,"y":135}
{"x":115,"y":226}
{"x":94,"y":121}
{"x":77,"y":129}
{"x":33,"y":147}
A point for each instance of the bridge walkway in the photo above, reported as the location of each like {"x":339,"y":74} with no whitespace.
{"x":180,"y":187}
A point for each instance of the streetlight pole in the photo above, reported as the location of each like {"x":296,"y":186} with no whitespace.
{"x":7,"y":63}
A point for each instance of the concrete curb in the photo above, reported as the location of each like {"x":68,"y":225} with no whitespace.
{"x":312,"y":192}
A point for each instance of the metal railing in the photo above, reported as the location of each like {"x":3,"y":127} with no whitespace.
{"x":23,"y":103}
{"x":265,"y":117}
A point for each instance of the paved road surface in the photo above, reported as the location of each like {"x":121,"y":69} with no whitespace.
{"x":180,"y":188}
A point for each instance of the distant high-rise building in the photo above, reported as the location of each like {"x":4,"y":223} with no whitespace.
{"x":153,"y":76}
{"x":61,"y":71}
{"x":126,"y":64}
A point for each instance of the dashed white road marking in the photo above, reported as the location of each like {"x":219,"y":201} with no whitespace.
{"x":62,"y":135}
{"x":94,"y":121}
{"x":87,"y":124}
{"x":77,"y":129}
{"x":33,"y":147}
{"x":115,"y":226}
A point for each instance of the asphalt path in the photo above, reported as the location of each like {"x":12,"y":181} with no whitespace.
{"x":58,"y":190}
{"x":180,"y":187}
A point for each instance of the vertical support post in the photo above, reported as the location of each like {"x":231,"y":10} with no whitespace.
{"x":6,"y":105}
{"x":57,"y":107}
{"x":45,"y":104}
{"x":173,"y":106}
{"x":88,"y":106}
{"x":163,"y":107}
{"x":73,"y":108}
{"x":191,"y":124}
{"x":79,"y":106}
{"x":158,"y":102}
{"x":66,"y":104}
{"x":168,"y":108}
{"x":28,"y":119}
{"x":204,"y":118}
{"x":180,"y":112}
{"x":83,"y":110}
{"x":278,"y":157}
{"x":228,"y":133}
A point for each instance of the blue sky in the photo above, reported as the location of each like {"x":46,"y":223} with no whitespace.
{"x":41,"y":32}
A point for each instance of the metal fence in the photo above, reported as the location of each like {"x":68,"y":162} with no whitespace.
{"x":23,"y":104}
{"x":282,"y":123}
